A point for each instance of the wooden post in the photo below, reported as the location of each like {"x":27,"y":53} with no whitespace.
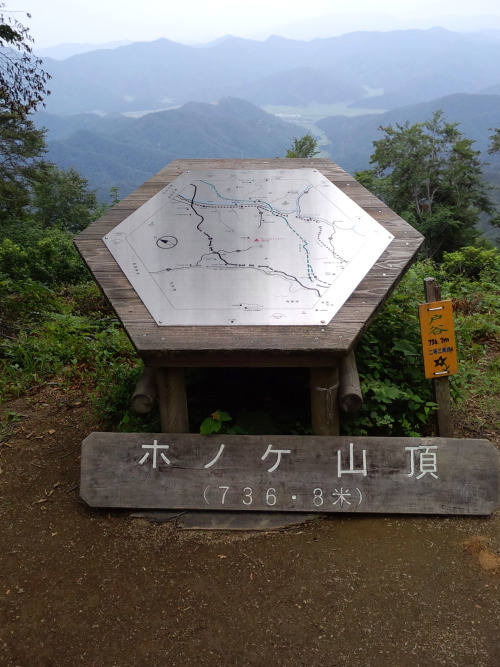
{"x":145,"y":393}
{"x":171,"y":385}
{"x":441,"y":385}
{"x":324,"y":403}
{"x":350,"y":397}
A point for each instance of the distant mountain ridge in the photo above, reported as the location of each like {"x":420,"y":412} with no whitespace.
{"x":124,"y":152}
{"x":63,"y":51}
{"x":410,"y":73}
{"x":119,"y":151}
{"x":335,"y":24}
{"x":351,"y":139}
{"x":410,"y":66}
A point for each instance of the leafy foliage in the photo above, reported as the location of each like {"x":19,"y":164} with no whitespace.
{"x":21,"y":146}
{"x":111,"y":398}
{"x":61,"y":199}
{"x":398,"y":400}
{"x":45,"y":339}
{"x":41,"y":208}
{"x":429,"y":173}
{"x":471,"y":278}
{"x":215,"y":423}
{"x":304,"y":147}
{"x":471,"y":263}
{"x":495,"y":141}
{"x":22,"y":79}
{"x":28,"y":252}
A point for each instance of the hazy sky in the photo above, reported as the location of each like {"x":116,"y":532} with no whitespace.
{"x":197,"y":21}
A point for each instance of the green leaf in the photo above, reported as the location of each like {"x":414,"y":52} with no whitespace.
{"x":210,"y":425}
{"x":408,"y":348}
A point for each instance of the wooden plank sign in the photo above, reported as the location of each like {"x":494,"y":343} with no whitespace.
{"x":438,"y":339}
{"x":290,"y":473}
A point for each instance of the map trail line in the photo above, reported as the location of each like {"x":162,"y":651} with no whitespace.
{"x":250,"y":247}
{"x":275,"y":211}
{"x":256,"y":203}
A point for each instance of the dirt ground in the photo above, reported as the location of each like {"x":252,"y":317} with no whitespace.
{"x":80,"y":586}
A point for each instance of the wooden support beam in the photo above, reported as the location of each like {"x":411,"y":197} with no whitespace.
{"x":324,"y":403}
{"x":350,"y":397}
{"x":441,"y":385}
{"x":145,"y":393}
{"x":171,"y":385}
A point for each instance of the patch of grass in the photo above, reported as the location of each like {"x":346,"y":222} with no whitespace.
{"x":49,"y":340}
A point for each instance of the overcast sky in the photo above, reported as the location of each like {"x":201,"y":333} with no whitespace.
{"x":197,"y":21}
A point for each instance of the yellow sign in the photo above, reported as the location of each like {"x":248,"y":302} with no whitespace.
{"x":438,"y":339}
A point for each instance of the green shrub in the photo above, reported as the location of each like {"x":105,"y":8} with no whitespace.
{"x":397,"y":399}
{"x":86,"y":299}
{"x":470,"y":263}
{"x":111,"y":398}
{"x":48,"y":257}
{"x":47,"y":341}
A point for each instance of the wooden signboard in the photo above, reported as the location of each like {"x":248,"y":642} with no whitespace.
{"x":290,"y":473}
{"x":438,"y":339}
{"x":231,"y":345}
{"x":183,"y":243}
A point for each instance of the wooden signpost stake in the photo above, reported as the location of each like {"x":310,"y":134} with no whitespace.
{"x":441,"y":383}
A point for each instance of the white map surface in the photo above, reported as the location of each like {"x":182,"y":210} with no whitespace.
{"x":231,"y":247}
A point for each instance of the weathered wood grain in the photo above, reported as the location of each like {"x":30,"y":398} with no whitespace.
{"x":171,"y":383}
{"x":350,"y":397}
{"x":145,"y":392}
{"x":290,"y":473}
{"x":324,"y":385}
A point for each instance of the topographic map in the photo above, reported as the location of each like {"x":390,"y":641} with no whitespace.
{"x":231,"y":247}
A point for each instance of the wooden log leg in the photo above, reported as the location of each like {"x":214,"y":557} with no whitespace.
{"x":350,"y":396}
{"x":324,"y":403}
{"x":145,"y":393}
{"x":171,"y":385}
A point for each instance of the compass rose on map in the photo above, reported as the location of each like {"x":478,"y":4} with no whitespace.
{"x":247,"y":247}
{"x":166,"y":242}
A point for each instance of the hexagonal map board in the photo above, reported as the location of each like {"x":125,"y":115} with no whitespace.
{"x":247,"y":247}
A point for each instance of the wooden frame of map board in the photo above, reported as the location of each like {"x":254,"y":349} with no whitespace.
{"x":316,"y":346}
